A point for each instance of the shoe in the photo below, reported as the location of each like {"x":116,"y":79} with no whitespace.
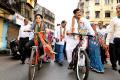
{"x":56,"y":61}
{"x":114,"y":68}
{"x":60,"y":63}
{"x":70,"y":67}
{"x":23,"y":63}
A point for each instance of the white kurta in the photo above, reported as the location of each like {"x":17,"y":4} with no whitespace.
{"x":22,"y":30}
{"x":57,"y":35}
{"x":71,"y":42}
{"x":114,"y":30}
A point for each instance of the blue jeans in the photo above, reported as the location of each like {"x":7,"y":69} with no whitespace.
{"x":59,"y":50}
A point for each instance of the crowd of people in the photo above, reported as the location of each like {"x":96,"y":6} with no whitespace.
{"x":59,"y":45}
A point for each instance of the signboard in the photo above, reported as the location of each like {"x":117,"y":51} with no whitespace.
{"x":19,"y":19}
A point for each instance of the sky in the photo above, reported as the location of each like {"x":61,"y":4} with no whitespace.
{"x":63,"y":9}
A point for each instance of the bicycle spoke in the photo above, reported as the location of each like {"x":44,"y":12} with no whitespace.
{"x":32,"y":72}
{"x":32,"y":66}
{"x":82,"y":67}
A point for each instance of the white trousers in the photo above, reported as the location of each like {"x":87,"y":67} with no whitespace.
{"x":71,"y":43}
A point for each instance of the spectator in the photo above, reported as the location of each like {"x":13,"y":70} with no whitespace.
{"x":114,"y":32}
{"x":23,"y":38}
{"x":60,"y":41}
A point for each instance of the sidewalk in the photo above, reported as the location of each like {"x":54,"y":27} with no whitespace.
{"x":4,"y":52}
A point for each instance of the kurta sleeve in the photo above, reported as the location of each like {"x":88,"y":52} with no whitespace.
{"x":110,"y":31}
{"x":19,"y":34}
{"x":89,"y":28}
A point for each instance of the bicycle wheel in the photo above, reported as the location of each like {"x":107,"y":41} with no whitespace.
{"x":82,"y":68}
{"x":32,"y":65}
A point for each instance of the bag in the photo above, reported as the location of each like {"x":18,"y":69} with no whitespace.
{"x":116,"y":41}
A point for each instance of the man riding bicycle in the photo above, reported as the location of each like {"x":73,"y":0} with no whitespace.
{"x":78,"y":23}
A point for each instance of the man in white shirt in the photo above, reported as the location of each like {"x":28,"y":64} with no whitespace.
{"x":23,"y":38}
{"x":114,"y":32}
{"x":60,"y":41}
{"x":78,"y":23}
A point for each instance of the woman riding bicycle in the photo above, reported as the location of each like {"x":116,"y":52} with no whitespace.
{"x":39,"y":38}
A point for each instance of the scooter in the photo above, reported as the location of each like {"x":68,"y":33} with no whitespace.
{"x":14,"y":49}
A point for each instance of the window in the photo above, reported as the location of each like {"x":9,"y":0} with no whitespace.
{"x":97,"y":2}
{"x":118,"y":1}
{"x":97,"y":14}
{"x":107,"y":1}
{"x":27,"y":13}
{"x":107,"y":14}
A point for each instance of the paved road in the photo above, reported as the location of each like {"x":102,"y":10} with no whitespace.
{"x":11,"y":69}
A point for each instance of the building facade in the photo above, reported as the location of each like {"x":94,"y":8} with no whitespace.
{"x":12,"y":15}
{"x":98,"y":10}
{"x":5,"y":18}
{"x":48,"y":17}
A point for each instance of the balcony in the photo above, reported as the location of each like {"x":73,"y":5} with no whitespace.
{"x":7,"y":6}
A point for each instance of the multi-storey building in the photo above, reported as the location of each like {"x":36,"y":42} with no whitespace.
{"x":5,"y":13}
{"x":12,"y":15}
{"x":99,"y":10}
{"x":48,"y":16}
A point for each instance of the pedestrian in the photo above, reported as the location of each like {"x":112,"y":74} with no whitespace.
{"x":114,"y":32}
{"x":23,"y":38}
{"x":94,"y":53}
{"x":101,"y":31}
{"x":29,"y":44}
{"x":78,"y":23}
{"x":60,"y":41}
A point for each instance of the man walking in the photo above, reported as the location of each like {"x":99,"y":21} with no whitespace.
{"x":59,"y":46}
{"x":114,"y":32}
{"x":23,"y":38}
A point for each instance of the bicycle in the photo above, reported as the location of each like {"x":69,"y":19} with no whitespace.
{"x":35,"y":62}
{"x":80,"y":61}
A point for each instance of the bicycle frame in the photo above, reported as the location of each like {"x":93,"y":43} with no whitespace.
{"x":35,"y":49}
{"x":35,"y":61}
{"x":82,"y":62}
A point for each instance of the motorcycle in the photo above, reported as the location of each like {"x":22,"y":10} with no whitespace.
{"x":14,"y":49}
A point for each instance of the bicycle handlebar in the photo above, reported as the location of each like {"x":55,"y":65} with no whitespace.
{"x":32,"y":31}
{"x":81,"y":34}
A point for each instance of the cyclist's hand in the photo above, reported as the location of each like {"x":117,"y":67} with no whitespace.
{"x":35,"y":33}
{"x":68,"y":33}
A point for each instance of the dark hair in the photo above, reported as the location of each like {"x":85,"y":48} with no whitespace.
{"x":39,"y":15}
{"x":63,"y":22}
{"x":75,"y":10}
